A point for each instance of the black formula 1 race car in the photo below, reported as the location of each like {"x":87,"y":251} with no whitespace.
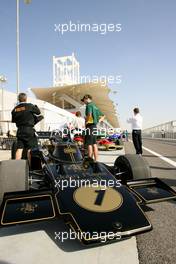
{"x":97,"y":201}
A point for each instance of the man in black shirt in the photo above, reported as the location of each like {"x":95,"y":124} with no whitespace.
{"x":24,"y":115}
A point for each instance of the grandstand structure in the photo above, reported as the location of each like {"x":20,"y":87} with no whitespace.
{"x":67,"y":91}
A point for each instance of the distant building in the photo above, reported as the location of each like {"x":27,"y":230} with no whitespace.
{"x":54,"y":117}
{"x":69,"y":98}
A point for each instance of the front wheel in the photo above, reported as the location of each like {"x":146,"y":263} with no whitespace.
{"x":131,"y":167}
{"x":13,"y":176}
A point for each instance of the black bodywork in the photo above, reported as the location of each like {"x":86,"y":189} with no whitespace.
{"x":92,"y":198}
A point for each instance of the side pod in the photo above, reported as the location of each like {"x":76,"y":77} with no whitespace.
{"x":26,"y":207}
{"x":151,"y":190}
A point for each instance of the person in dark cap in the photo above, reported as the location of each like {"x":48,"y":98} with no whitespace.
{"x":93,"y":117}
{"x":25,"y":115}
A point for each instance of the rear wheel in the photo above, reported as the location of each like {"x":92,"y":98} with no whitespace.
{"x":13,"y":176}
{"x":131,"y":167}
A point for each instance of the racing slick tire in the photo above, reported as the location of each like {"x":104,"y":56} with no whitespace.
{"x":13,"y":176}
{"x":131,"y":167}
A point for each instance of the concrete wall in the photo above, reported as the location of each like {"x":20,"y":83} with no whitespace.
{"x":166,"y":130}
{"x":167,"y":127}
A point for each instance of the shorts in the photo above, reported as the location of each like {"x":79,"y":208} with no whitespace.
{"x":26,"y":138}
{"x":91,"y":134}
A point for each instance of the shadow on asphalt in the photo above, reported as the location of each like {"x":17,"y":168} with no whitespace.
{"x":170,"y":182}
{"x":146,"y":208}
{"x":52,"y":228}
{"x":162,"y":168}
{"x":4,"y":262}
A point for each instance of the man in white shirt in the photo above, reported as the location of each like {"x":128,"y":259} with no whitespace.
{"x":136,"y":125}
{"x":79,"y":122}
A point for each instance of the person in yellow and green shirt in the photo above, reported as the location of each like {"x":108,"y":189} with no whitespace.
{"x":93,"y":117}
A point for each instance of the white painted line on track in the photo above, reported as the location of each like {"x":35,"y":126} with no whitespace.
{"x":171,"y":162}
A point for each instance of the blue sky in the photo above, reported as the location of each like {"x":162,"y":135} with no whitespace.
{"x":144,"y":52}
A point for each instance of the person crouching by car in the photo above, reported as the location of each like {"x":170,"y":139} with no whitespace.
{"x":25,"y":117}
{"x":93,"y":117}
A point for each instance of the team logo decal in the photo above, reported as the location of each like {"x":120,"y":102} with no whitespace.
{"x":98,"y":199}
{"x":153,"y":190}
{"x":69,"y":150}
{"x":27,"y":208}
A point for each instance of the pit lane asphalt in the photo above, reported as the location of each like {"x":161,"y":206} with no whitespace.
{"x":36,"y":243}
{"x":155,"y":247}
{"x":159,"y":245}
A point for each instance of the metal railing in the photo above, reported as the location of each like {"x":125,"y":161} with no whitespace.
{"x":160,"y":135}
